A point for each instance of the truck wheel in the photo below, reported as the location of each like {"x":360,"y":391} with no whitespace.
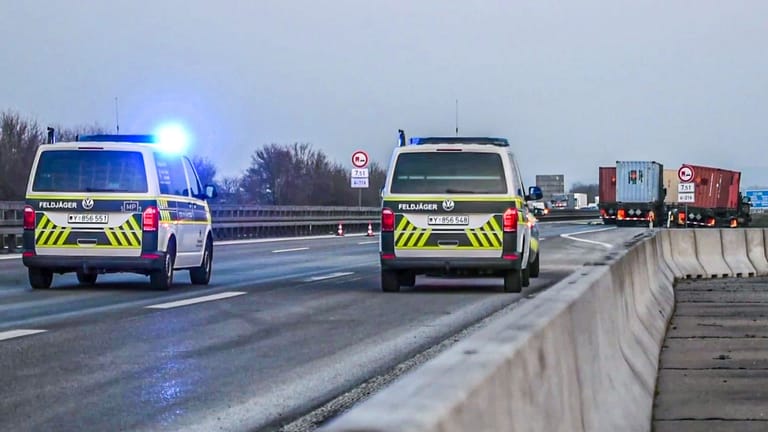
{"x":535,"y":266}
{"x":390,"y":281}
{"x":86,"y":278}
{"x":40,"y":278}
{"x":513,"y":281}
{"x":162,"y":279}
{"x":202,"y":275}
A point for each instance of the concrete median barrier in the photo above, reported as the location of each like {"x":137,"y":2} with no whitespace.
{"x":580,"y":356}
{"x":709,"y":252}
{"x":665,"y":246}
{"x":683,"y":253}
{"x":756,"y":250}
{"x":735,"y":252}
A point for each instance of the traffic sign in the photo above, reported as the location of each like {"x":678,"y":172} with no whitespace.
{"x":686,"y":188}
{"x":360,"y":159}
{"x":359,"y":182}
{"x":759,"y":198}
{"x":685,"y":197}
{"x":359,"y":172}
{"x":685,"y":173}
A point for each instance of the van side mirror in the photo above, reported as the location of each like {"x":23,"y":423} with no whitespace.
{"x":534,"y":193}
{"x":210,"y":191}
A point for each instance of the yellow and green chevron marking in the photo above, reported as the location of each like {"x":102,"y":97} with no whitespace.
{"x":126,"y":235}
{"x":409,"y":235}
{"x":49,"y":234}
{"x":489,"y":236}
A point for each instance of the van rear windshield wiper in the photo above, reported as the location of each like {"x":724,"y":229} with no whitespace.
{"x":467,"y":191}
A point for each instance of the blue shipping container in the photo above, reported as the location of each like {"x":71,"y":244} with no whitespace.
{"x":639,"y":182}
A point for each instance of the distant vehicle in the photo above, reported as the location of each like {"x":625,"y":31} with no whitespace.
{"x":457,"y":205}
{"x":717,"y":200}
{"x":640,"y":193}
{"x":607,"y":192}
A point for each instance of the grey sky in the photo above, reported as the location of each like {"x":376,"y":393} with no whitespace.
{"x":573,"y":84}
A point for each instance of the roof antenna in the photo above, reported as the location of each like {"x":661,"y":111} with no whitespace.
{"x":117,"y":117}
{"x":457,"y":117}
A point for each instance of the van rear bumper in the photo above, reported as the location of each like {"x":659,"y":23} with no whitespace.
{"x":62,"y":264}
{"x":427,"y":264}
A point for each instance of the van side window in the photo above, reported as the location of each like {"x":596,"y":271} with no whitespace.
{"x":171,"y":176}
{"x":194,"y":181}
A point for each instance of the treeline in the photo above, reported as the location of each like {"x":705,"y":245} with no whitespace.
{"x":279,"y":174}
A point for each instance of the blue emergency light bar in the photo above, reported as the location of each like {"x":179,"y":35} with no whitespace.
{"x":501,"y":142}
{"x":118,"y":138}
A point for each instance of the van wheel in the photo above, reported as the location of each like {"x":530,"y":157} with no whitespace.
{"x":526,"y":276}
{"x":535,"y":267}
{"x":40,"y":278}
{"x":162,"y":279}
{"x":86,"y":278}
{"x":202,"y":275}
{"x":513,"y":281}
{"x":390,"y":281}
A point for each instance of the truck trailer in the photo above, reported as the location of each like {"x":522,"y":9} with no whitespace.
{"x":607,"y":192}
{"x":640,"y":193}
{"x":717,"y":200}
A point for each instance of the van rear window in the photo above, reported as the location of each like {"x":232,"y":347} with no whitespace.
{"x":449,"y":172}
{"x":90,"y":171}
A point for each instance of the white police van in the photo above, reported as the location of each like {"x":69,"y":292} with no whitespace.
{"x":457,"y":205}
{"x":116,"y":203}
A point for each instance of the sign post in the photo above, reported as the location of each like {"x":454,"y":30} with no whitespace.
{"x":359,"y":174}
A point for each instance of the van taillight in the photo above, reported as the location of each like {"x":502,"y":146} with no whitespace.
{"x":150,"y":219}
{"x":510,"y":220}
{"x":29,"y":218}
{"x":387,"y":220}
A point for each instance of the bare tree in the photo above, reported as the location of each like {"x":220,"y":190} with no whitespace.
{"x":206,"y":170}
{"x":19,"y":140}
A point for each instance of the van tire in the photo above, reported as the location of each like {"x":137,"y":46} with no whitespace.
{"x":526,"y":276}
{"x":535,"y":268}
{"x":390,"y":281}
{"x":202,"y":275}
{"x":162,"y":279}
{"x":40,"y":278}
{"x":87,"y":278}
{"x":513,"y":281}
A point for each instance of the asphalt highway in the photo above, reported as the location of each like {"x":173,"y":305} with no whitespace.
{"x":284,"y":327}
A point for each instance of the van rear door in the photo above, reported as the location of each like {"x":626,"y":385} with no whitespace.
{"x":448,"y":203}
{"x":86,"y":201}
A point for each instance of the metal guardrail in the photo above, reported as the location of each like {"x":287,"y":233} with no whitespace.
{"x":233,"y":222}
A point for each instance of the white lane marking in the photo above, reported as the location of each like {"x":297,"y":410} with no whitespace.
{"x":328,"y":276}
{"x":368,"y":242}
{"x":280,"y":239}
{"x":207,"y":298}
{"x":18,"y":333}
{"x":569,"y":236}
{"x":10,"y":257}
{"x":290,"y":250}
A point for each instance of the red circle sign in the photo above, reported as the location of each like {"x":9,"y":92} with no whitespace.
{"x":360,"y":159}
{"x":685,"y":173}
